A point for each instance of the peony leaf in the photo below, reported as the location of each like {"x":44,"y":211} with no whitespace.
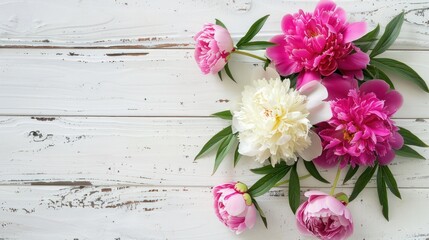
{"x":228,"y":72}
{"x":261,"y":213}
{"x":376,"y":73}
{"x":407,"y":151}
{"x":389,"y":36}
{"x":390,"y":181}
{"x":268,"y":169}
{"x":220,"y":75}
{"x":350,"y":173}
{"x":382,"y":193}
{"x":257,"y":45}
{"x":224,"y":148}
{"x":236,"y":155}
{"x":218,"y":22}
{"x":253,"y":30}
{"x":362,"y":181}
{"x":401,"y":68}
{"x":294,"y":190}
{"x":264,"y":184}
{"x":224,"y":115}
{"x":309,"y":165}
{"x":214,"y":140}
{"x":366,"y":42}
{"x":410,"y":138}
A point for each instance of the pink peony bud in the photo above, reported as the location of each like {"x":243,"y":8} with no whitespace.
{"x":324,"y":217}
{"x":234,"y":207}
{"x":213,"y":45}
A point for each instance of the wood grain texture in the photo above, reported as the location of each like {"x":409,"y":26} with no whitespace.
{"x":148,"y":151}
{"x":182,"y":213}
{"x":143,"y":83}
{"x":171,"y":24}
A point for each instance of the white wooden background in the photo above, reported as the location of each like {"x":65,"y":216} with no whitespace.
{"x":103,"y":109}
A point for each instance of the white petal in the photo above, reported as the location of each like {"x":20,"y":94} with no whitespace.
{"x":320,"y":113}
{"x":314,"y":150}
{"x":315,"y":93}
{"x":260,"y":73}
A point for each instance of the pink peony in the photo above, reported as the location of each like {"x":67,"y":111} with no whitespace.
{"x":317,"y":44}
{"x":213,"y":45}
{"x":361,"y":130}
{"x":234,"y":207}
{"x":324,"y":217}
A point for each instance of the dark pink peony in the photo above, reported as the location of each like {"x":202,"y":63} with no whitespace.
{"x":234,"y":207}
{"x":317,"y":44}
{"x":361,"y":130}
{"x":324,"y":217}
{"x":212,"y":47}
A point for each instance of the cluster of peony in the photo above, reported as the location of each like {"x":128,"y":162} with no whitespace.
{"x":327,"y":114}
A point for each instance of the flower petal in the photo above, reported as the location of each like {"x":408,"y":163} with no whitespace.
{"x":387,"y":158}
{"x":354,"y":31}
{"x":397,"y":141}
{"x":355,"y":61}
{"x":284,"y":65}
{"x":235,"y":205}
{"x":338,"y":86}
{"x":307,"y":76}
{"x":392,"y":102}
{"x":314,"y":150}
{"x":320,"y":113}
{"x":223,"y":39}
{"x":315,"y":93}
{"x":377,"y":86}
{"x":250,"y":218}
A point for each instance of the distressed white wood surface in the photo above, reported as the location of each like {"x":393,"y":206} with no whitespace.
{"x":171,"y":24}
{"x":182,"y":213}
{"x":142,"y":83}
{"x":103,"y":109}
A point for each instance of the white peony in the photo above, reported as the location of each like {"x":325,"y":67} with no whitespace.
{"x":275,"y":120}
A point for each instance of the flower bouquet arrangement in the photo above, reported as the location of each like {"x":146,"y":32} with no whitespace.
{"x":321,"y":96}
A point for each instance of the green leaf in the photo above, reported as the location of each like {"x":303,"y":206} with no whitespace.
{"x":350,"y":173}
{"x":223,"y":149}
{"x":268,"y":169}
{"x":236,"y":155}
{"x":376,"y":73}
{"x":224,"y":115}
{"x":228,"y":72}
{"x":264,"y":184}
{"x":257,"y":45}
{"x":401,"y":68}
{"x":365,"y":42}
{"x":220,"y":75}
{"x":390,"y":181}
{"x":261,"y":213}
{"x":410,"y":138}
{"x":362,"y":181}
{"x":309,"y":165}
{"x":218,"y":22}
{"x":215,"y":139}
{"x":294,"y":190}
{"x":407,"y":151}
{"x":389,"y":36}
{"x":253,"y":30}
{"x":382,"y":193}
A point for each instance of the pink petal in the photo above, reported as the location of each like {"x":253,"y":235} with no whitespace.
{"x":223,"y":39}
{"x":397,"y":141}
{"x":325,"y":5}
{"x":393,"y":101}
{"x":325,"y":162}
{"x":306,"y":77}
{"x":235,"y":205}
{"x":284,"y":65}
{"x":354,"y":31}
{"x":355,"y":61}
{"x":315,"y":192}
{"x":379,"y":87}
{"x":338,"y":86}
{"x":386,"y":159}
{"x":250,"y":218}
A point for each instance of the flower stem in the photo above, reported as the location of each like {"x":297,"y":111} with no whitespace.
{"x":250,"y":55}
{"x":287,"y":181}
{"x":337,"y":177}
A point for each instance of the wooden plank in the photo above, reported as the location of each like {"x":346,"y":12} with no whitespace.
{"x":166,"y":24}
{"x":182,"y":213}
{"x":135,"y":151}
{"x":142,"y":83}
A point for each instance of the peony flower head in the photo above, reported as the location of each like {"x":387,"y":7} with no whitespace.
{"x":361,"y":130}
{"x":274,"y":120}
{"x":234,"y":207}
{"x":324,"y":217}
{"x":213,"y":45}
{"x":317,"y":44}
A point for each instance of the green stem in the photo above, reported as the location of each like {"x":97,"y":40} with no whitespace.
{"x":337,"y":177}
{"x":287,"y":181}
{"x":250,"y":55}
